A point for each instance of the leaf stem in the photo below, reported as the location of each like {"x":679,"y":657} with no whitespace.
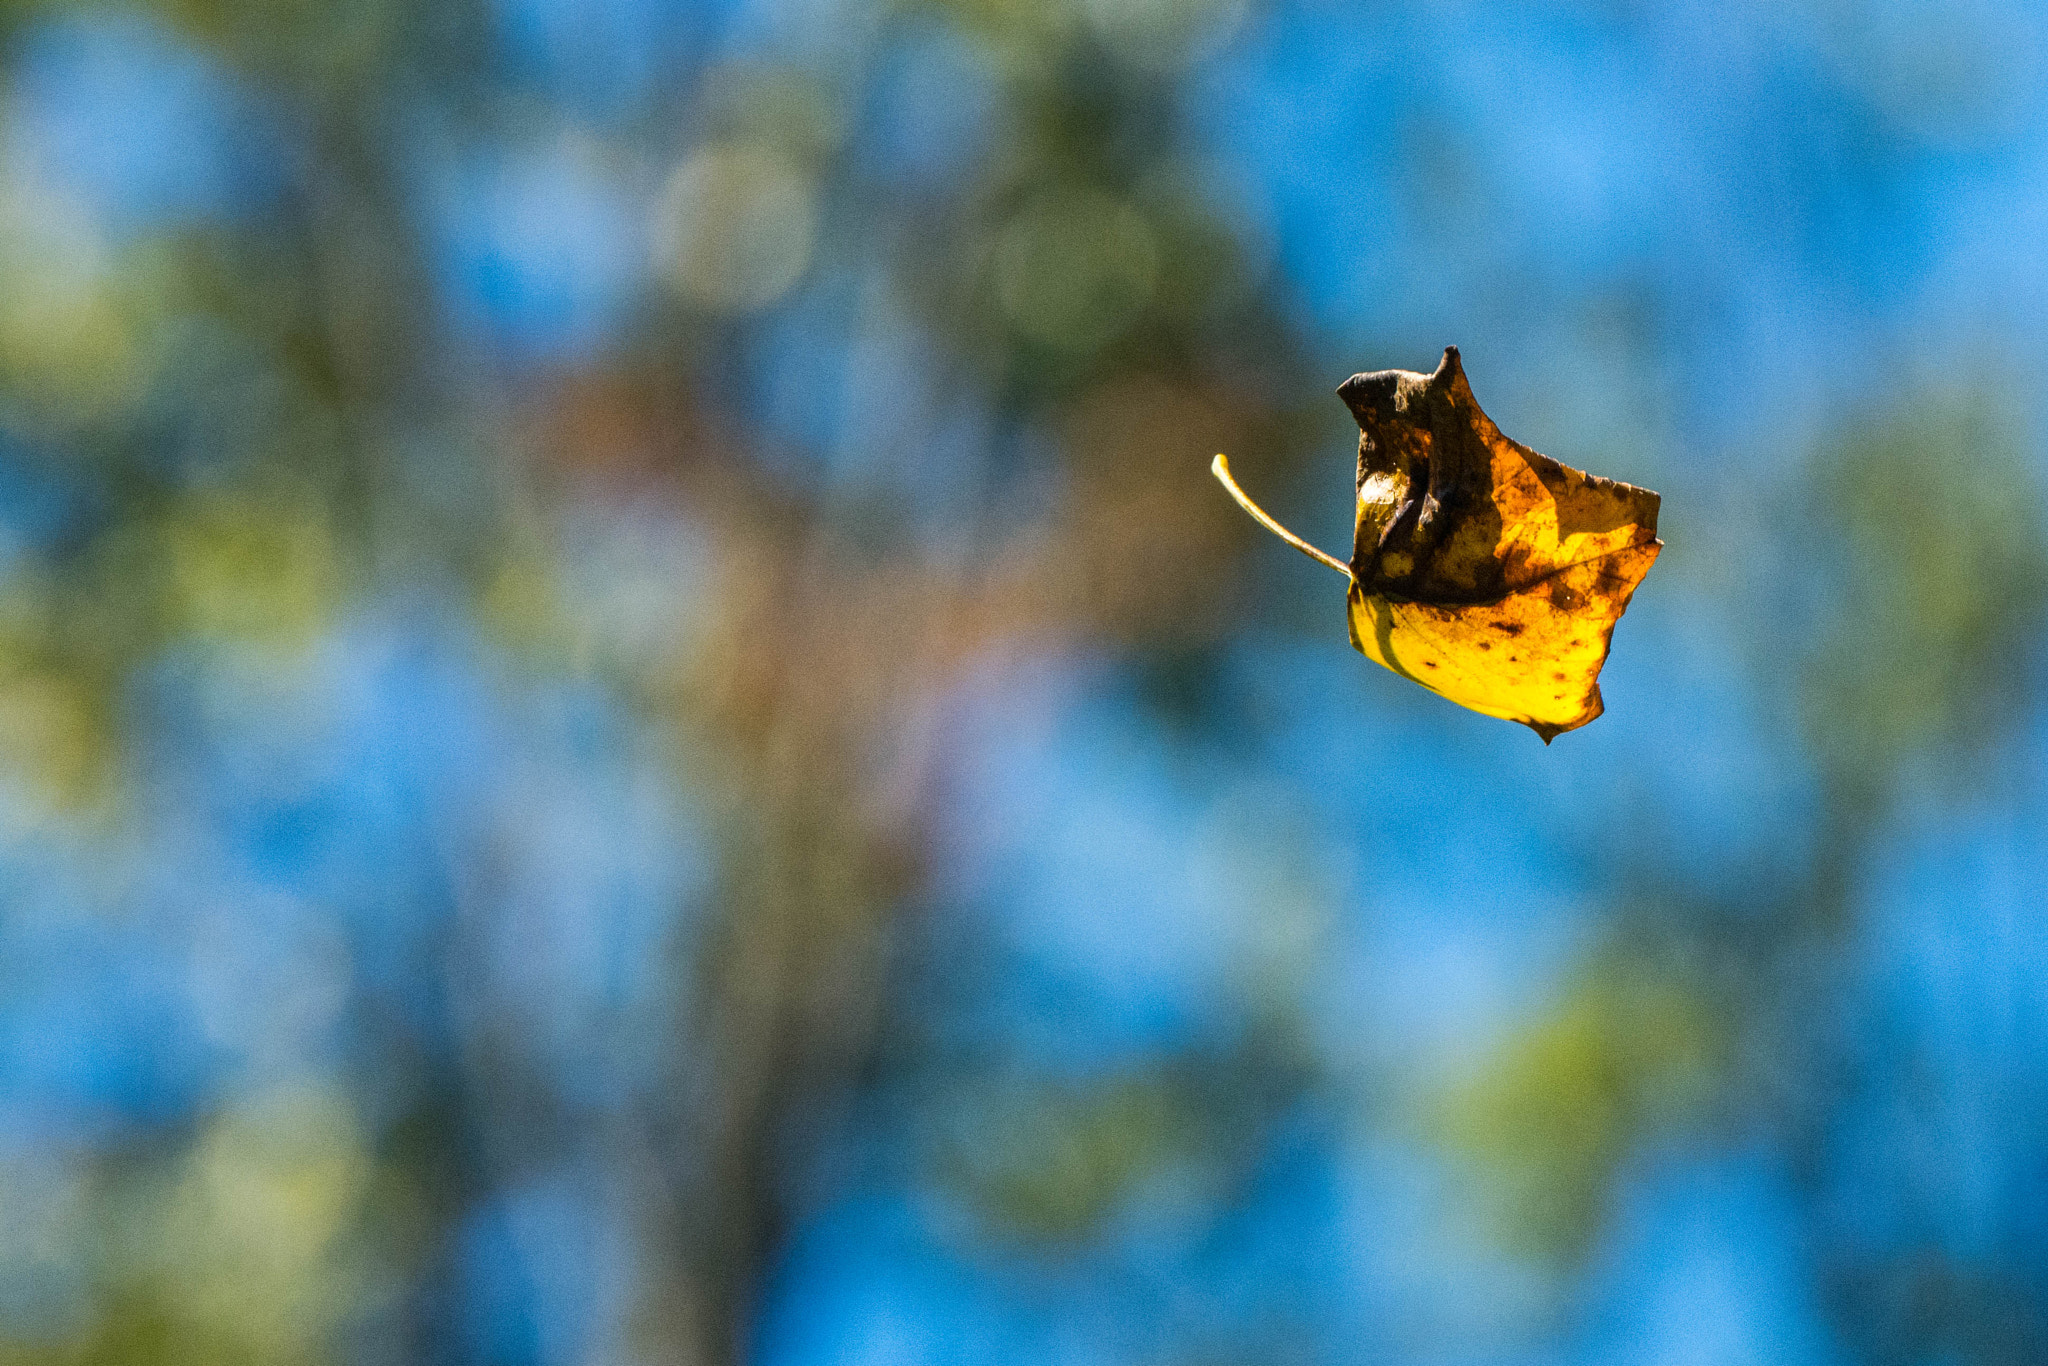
{"x":1220,"y":467}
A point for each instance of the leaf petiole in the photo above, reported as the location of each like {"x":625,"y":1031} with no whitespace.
{"x":1220,"y":467}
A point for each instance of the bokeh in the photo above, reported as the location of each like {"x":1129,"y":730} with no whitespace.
{"x":631,"y":730}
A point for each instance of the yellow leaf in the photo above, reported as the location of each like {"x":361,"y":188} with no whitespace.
{"x":1485,"y":572}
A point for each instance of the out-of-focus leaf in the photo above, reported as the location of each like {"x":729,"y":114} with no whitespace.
{"x":246,"y":1247}
{"x":54,"y":738}
{"x":1923,"y":616}
{"x":1486,"y":572}
{"x":1548,"y":1116}
{"x":56,"y":741}
{"x":255,"y":1230}
{"x":1054,"y":1163}
{"x":248,"y":569}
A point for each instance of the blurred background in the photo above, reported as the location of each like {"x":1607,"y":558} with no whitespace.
{"x":631,"y":730}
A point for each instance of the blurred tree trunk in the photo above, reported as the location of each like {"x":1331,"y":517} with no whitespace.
{"x":803,"y":698}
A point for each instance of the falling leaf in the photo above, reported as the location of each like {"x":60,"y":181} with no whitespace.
{"x":1483,"y":571}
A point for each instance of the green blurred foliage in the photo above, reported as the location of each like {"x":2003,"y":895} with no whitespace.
{"x":1923,"y":611}
{"x":249,"y":1246}
{"x":1629,"y":1056}
{"x":1054,"y":1162}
